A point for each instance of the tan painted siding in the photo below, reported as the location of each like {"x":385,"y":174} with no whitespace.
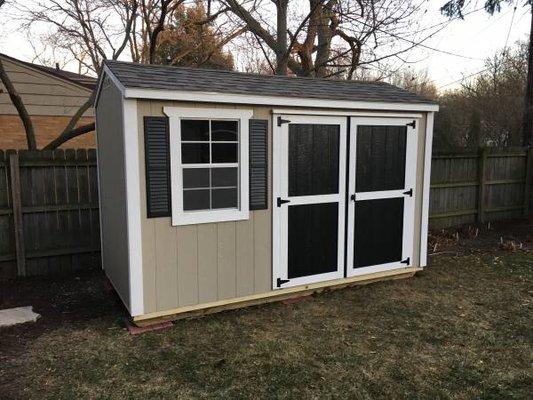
{"x":113,"y":190}
{"x":42,"y":93}
{"x":195,"y":264}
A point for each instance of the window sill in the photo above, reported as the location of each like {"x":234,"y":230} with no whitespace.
{"x":205,"y":217}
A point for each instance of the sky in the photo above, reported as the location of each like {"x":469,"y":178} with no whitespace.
{"x":471,"y":41}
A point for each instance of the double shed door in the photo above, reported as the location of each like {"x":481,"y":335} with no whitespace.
{"x":336,"y":195}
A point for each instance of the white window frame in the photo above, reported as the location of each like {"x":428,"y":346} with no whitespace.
{"x":181,"y":217}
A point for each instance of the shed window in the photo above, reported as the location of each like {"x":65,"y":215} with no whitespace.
{"x":209,"y":164}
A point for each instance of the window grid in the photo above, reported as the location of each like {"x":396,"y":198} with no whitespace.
{"x":212,"y":165}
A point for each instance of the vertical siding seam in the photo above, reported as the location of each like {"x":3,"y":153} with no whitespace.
{"x":218,"y":266}
{"x":252,"y":226}
{"x":197,"y":269}
{"x":157,"y":300}
{"x":236,"y":291}
{"x":177,"y":267}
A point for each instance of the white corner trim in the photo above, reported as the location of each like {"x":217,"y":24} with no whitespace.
{"x":426,"y":190}
{"x":118,"y":84}
{"x":179,"y":217}
{"x":133,"y":198}
{"x":258,"y":99}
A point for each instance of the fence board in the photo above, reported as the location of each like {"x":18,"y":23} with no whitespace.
{"x":59,"y":202}
{"x":484,"y":186}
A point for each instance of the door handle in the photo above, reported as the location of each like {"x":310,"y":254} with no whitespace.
{"x":282,"y":201}
{"x":352,"y":197}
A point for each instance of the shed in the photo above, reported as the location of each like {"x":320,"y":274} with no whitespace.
{"x":222,"y":189}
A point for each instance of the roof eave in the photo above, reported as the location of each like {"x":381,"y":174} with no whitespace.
{"x":44,"y":71}
{"x":216,"y":97}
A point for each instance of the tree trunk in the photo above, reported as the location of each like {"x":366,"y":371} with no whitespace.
{"x":527,"y":123}
{"x":19,"y":105}
{"x":281,"y":38}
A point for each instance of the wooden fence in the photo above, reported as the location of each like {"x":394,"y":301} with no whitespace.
{"x":487,"y":185}
{"x":49,"y":220}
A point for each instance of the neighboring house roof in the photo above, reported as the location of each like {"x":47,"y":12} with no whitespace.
{"x":164,"y":77}
{"x":87,"y":82}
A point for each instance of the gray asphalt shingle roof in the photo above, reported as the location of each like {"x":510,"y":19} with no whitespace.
{"x":165,"y":77}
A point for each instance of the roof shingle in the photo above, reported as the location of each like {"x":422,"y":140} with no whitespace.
{"x":165,"y":77}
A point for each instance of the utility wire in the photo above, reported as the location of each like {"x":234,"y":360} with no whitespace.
{"x":510,"y":27}
{"x":463,"y":78}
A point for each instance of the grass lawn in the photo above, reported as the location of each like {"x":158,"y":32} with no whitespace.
{"x":462,"y":328}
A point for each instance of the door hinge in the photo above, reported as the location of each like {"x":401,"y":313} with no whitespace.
{"x":282,"y":121}
{"x":282,"y":201}
{"x":280,"y":282}
{"x":409,"y":192}
{"x":406,"y":261}
{"x":412,"y":124}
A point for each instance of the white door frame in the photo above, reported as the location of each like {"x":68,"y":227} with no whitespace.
{"x":409,"y":201}
{"x":280,"y":189}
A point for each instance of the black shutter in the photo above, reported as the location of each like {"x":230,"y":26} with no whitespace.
{"x":258,"y":164}
{"x":157,"y":160}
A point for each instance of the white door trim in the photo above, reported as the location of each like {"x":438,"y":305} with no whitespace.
{"x":280,"y":189}
{"x":409,"y":201}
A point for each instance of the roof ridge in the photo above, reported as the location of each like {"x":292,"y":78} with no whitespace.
{"x":242,"y":73}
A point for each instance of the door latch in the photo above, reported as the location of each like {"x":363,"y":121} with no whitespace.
{"x":406,"y":261}
{"x":282,"y":121}
{"x":280,"y":282}
{"x":282,"y":201}
{"x":409,"y":192}
{"x":352,"y":197}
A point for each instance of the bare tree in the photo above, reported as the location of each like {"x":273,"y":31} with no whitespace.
{"x":87,"y":31}
{"x":17,"y":102}
{"x":454,"y":8}
{"x":330,"y":36}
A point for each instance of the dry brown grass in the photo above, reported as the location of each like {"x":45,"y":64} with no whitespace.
{"x":460,"y":329}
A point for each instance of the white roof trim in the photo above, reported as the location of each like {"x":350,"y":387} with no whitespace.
{"x":216,"y":97}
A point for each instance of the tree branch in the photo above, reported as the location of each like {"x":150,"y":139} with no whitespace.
{"x":54,"y":144}
{"x":19,"y":105}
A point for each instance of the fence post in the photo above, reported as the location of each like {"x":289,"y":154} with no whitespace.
{"x":17,"y":213}
{"x":482,"y":161}
{"x":528,"y":181}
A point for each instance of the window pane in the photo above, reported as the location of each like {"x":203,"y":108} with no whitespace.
{"x":224,"y":177}
{"x":195,"y":178}
{"x":313,"y":159}
{"x":196,"y":200}
{"x":380,"y":158}
{"x":224,"y":152}
{"x":224,"y":198}
{"x":195,"y":153}
{"x":224,"y":130}
{"x":196,"y":130}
